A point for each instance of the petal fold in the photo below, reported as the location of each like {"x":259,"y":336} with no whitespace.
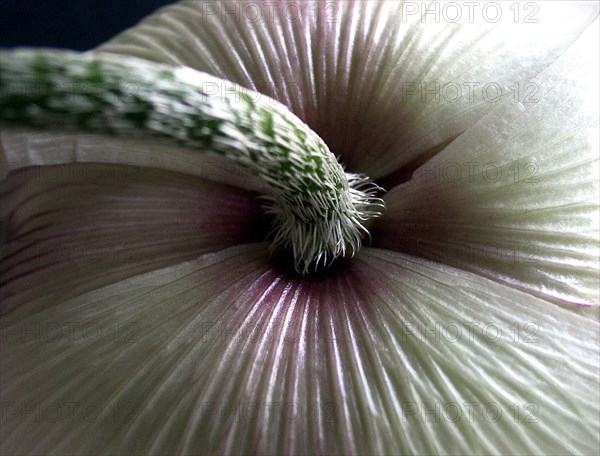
{"x":516,"y":197}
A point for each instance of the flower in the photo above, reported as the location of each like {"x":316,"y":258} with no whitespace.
{"x":142,"y":313}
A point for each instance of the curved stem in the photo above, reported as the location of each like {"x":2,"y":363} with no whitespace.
{"x":319,"y":209}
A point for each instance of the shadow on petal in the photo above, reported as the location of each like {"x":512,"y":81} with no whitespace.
{"x":72,"y":228}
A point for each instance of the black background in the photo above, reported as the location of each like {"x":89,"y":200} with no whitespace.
{"x":72,"y":24}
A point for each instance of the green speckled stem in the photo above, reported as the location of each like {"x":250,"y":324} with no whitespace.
{"x":319,"y":209}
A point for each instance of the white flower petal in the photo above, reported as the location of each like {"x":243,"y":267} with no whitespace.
{"x":516,"y":198}
{"x":24,"y":148}
{"x":72,"y":228}
{"x":359,"y":72}
{"x":388,"y":354}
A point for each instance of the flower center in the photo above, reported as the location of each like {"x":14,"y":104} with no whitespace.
{"x":319,"y":210}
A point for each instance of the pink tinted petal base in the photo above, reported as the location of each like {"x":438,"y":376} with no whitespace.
{"x":72,"y":228}
{"x":231,"y":353}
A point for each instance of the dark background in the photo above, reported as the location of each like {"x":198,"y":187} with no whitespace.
{"x":72,"y":24}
